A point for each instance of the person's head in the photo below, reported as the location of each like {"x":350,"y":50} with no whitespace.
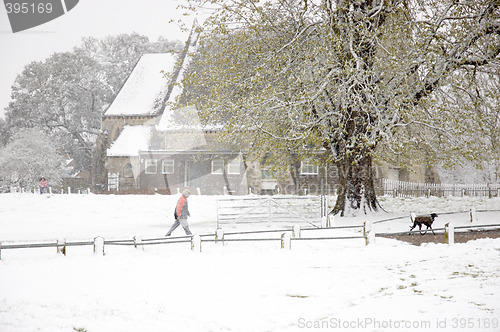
{"x":186,"y":193}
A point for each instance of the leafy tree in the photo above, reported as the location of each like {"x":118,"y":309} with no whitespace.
{"x":30,"y":155}
{"x":3,"y":132}
{"x":62,"y":96}
{"x":343,"y":76}
{"x":458,"y":129}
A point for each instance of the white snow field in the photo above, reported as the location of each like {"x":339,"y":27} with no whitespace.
{"x":325,"y":285}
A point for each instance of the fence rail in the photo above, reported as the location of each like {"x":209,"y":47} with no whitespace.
{"x":212,"y":237}
{"x":414,"y":189}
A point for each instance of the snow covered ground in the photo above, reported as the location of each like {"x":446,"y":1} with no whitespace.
{"x":243,"y":286}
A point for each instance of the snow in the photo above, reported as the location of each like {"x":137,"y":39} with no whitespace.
{"x":132,"y":139}
{"x":146,"y":88}
{"x":239,"y":286}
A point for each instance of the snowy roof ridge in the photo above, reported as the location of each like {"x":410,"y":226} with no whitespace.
{"x":167,"y":120}
{"x":185,"y":58}
{"x":146,"y":88}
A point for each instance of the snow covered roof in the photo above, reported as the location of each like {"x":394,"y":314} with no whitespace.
{"x":184,"y":118}
{"x":146,"y":88}
{"x":131,"y":140}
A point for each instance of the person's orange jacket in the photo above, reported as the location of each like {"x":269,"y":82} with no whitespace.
{"x":180,"y":205}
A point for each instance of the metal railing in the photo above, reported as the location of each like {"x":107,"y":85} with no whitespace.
{"x":396,"y":188}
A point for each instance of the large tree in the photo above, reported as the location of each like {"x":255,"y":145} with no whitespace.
{"x":340,"y":75}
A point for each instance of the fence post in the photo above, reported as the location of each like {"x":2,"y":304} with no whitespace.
{"x":196,"y":243}
{"x":219,"y":236}
{"x":0,"y":251}
{"x":69,"y":190}
{"x":368,"y":232}
{"x":99,"y":246}
{"x":270,"y":210}
{"x":61,"y":246}
{"x":286,"y":241}
{"x":296,"y":232}
{"x":473,"y":215}
{"x":325,"y":222}
{"x":449,"y":233}
{"x":331,"y":220}
{"x":138,"y":242}
{"x":370,"y":238}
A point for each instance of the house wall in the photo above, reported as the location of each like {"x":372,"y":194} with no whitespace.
{"x":117,"y":165}
{"x":191,"y":170}
{"x":324,"y":182}
{"x":415,"y":173}
{"x":293,"y":182}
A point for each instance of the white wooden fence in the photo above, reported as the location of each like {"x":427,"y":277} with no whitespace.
{"x":413,"y":189}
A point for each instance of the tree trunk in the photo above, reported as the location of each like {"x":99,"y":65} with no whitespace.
{"x":357,"y":190}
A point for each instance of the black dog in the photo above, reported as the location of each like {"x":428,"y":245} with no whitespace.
{"x":426,"y":219}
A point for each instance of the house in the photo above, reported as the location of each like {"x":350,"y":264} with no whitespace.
{"x":152,"y":147}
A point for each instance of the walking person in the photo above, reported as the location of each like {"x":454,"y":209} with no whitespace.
{"x":44,"y":186}
{"x":181,"y":213}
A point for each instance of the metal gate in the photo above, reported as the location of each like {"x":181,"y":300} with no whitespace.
{"x":113,"y":181}
{"x":295,"y":209}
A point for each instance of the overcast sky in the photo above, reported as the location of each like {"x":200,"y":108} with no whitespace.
{"x":97,"y":18}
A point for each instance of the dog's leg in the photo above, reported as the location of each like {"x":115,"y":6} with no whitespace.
{"x":420,"y":229}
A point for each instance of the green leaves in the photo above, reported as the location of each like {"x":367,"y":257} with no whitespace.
{"x":354,"y":76}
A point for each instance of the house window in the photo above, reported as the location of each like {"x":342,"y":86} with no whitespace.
{"x":308,"y":169}
{"x":128,"y":171}
{"x":233,"y":166}
{"x":150,"y":166}
{"x":268,"y":174}
{"x":167,"y":166}
{"x":217,"y":166}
